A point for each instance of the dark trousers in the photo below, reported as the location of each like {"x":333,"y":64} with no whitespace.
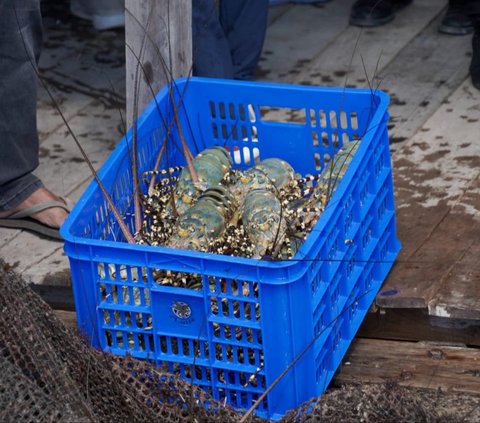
{"x":228,"y":40}
{"x":20,"y":44}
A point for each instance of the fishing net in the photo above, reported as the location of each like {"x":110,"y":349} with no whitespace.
{"x":49,"y":374}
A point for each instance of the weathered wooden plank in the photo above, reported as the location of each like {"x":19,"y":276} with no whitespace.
{"x":421,"y":77}
{"x":90,"y":66}
{"x":298,"y":36}
{"x":418,"y":325}
{"x":153,"y":29}
{"x":436,"y":178}
{"x":57,"y":297}
{"x":69,"y":318}
{"x":421,"y":365}
{"x":274,"y":12}
{"x":342,"y":62}
{"x":63,"y":170}
{"x":459,"y":294}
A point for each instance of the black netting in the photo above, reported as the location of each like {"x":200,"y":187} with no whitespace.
{"x":49,"y":374}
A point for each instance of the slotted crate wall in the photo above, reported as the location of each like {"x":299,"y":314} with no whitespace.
{"x":248,"y":319}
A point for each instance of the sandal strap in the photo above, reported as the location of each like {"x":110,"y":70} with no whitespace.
{"x":38,"y":208}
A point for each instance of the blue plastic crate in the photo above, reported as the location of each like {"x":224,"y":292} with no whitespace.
{"x":251,"y":316}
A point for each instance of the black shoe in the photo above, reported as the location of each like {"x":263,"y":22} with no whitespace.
{"x":456,"y":20}
{"x":475,"y":63}
{"x":375,"y":12}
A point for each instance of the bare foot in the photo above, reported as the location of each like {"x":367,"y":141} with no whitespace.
{"x":53,"y":217}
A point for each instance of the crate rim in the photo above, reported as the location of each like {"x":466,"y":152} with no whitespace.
{"x":200,"y":257}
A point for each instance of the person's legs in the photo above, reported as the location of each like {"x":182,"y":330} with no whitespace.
{"x":18,"y":99}
{"x":474,"y":13}
{"x":245,"y":24}
{"x":20,"y":45}
{"x":371,"y":13}
{"x":457,"y":20}
{"x":104,"y":14}
{"x":211,"y":53}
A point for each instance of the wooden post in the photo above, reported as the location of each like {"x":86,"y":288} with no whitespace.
{"x":153,"y":26}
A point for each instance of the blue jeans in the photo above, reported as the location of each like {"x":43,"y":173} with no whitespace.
{"x":227,"y":42}
{"x":18,"y":99}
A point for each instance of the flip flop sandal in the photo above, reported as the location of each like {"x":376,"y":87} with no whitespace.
{"x":23,"y":219}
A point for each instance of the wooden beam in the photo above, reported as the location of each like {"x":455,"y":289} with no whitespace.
{"x":158,"y":34}
{"x":417,"y":325}
{"x":415,"y":364}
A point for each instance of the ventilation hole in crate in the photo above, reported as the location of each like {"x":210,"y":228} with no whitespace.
{"x":186,"y":372}
{"x":234,"y":132}
{"x":317,"y":161}
{"x":214,"y":305}
{"x":345,"y":139}
{"x":146,"y":294}
{"x":325,"y":139}
{"x":333,"y":118}
{"x":221,"y":110}
{"x":127,"y":316}
{"x":186,"y":347}
{"x":126,"y":297}
{"x":213,"y":112}
{"x":108,"y":338}
{"x":245,"y":289}
{"x":139,"y":320}
{"x":237,"y":155}
{"x":220,"y":377}
{"x":326,"y":158}
{"x":225,"y":134}
{"x":106,"y":317}
{"x":283,"y":114}
{"x":251,"y":113}
{"x":244,"y":132}
{"x":226,"y":307}
{"x":252,"y":356}
{"x":163,"y":344}
{"x":218,"y":351}
{"x":214,"y":131}
{"x":313,"y":118}
{"x":240,"y":356}
{"x":103,"y":292}
{"x":133,"y":273}
{"x":315,"y":138}
{"x":114,"y":294}
{"x":141,"y":341}
{"x":174,"y":345}
{"x":343,"y":120}
{"x":241,"y":112}
{"x":150,"y":345}
{"x":119,"y":339}
{"x":231,"y":109}
{"x":238,"y":333}
{"x":323,"y":118}
{"x":227,"y":333}
{"x":353,"y":120}
{"x":212,"y":284}
{"x":247,"y":312}
{"x":130,"y":341}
